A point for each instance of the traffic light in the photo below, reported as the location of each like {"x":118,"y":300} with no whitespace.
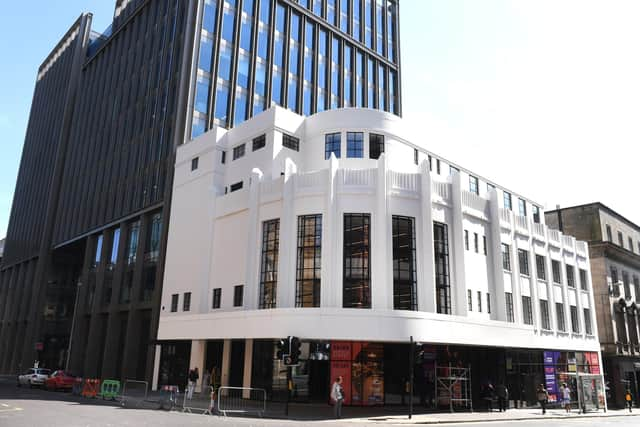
{"x":294,"y":349}
{"x":283,"y":348}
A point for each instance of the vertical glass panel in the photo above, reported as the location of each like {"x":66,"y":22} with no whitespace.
{"x":331,"y":11}
{"x":265,"y":10}
{"x":347,"y":76}
{"x":295,"y":27}
{"x":309,"y":261}
{"x":222,"y":101}
{"x":335,"y":72}
{"x":370,"y":84}
{"x":292,"y":100}
{"x":391,"y":33}
{"x":280,"y":18}
{"x":98,"y":253}
{"x":278,"y":55}
{"x":392,"y":92}
{"x":276,"y":86}
{"x":224,"y":65}
{"x":381,"y":88}
{"x":247,"y":7}
{"x":261,"y":78}
{"x":379,"y":27}
{"x":240,"y":106}
{"x":243,"y":70}
{"x":306,"y":98}
{"x":228,"y":23}
{"x":269,"y":263}
{"x":356,"y":19}
{"x":441,"y":261}
{"x":263,"y":42}
{"x":258,"y":104}
{"x":368,"y":40}
{"x":293,"y":58}
{"x":344,"y":16}
{"x":115,"y":245}
{"x":246,"y":28}
{"x":355,"y":144}
{"x":356,"y":279}
{"x":206,"y":50}
{"x":132,"y":249}
{"x":198,"y":125}
{"x":209,"y":17}
{"x":359,"y":79}
{"x":404,"y":263}
{"x":202,"y":94}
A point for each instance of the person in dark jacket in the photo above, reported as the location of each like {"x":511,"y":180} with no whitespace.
{"x":542,"y":395}
{"x":503,"y":397}
{"x":194,"y":375}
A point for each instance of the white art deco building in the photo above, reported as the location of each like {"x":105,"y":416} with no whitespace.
{"x":344,"y":230}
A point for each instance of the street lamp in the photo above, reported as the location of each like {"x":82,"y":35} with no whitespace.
{"x":73,"y":324}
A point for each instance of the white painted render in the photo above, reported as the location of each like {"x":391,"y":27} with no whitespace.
{"x":215,"y":239}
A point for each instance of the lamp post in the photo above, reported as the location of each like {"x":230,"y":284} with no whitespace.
{"x":73,"y":324}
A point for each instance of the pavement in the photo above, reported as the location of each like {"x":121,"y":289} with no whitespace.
{"x":25,"y":407}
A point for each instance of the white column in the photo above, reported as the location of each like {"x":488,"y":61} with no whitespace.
{"x":286,"y":289}
{"x":381,"y":251}
{"x":424,"y":240}
{"x":156,"y":367}
{"x":254,"y":243}
{"x":533,"y":274}
{"x":459,"y":285}
{"x":498,"y":301}
{"x":197,"y":360}
{"x":331,"y":287}
{"x":246,"y":378}
{"x":515,"y":273}
{"x":553,"y":318}
{"x":226,"y":363}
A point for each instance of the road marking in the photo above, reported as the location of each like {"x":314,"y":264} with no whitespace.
{"x":4,"y":404}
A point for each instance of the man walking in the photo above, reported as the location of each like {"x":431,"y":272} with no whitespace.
{"x":503,"y":397}
{"x":543,"y":396}
{"x":337,"y":396}
{"x":628,"y":398}
{"x":193,"y":380}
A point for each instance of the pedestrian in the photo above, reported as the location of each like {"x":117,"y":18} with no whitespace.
{"x":193,"y":380}
{"x":543,"y":397}
{"x":628,"y":399}
{"x":489,"y":394}
{"x":566,"y":397}
{"x":503,"y":397}
{"x":337,"y":396}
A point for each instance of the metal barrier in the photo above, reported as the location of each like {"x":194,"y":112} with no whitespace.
{"x":134,"y":393}
{"x":110,"y":389}
{"x":169,"y":397}
{"x":241,"y":399}
{"x":199,"y":402}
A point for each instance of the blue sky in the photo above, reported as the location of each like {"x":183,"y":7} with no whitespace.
{"x":540,"y":96}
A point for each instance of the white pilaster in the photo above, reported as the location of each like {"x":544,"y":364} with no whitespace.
{"x":381,"y":251}
{"x":286,"y":289}
{"x":459,"y":284}
{"x":197,"y":360}
{"x":254,"y":243}
{"x":498,"y":301}
{"x":424,"y":240}
{"x":330,"y":293}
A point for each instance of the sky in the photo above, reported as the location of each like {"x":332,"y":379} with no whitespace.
{"x":540,"y":96}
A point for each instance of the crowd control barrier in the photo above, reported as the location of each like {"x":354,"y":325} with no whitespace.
{"x":90,"y":387}
{"x":169,"y":397}
{"x":110,"y":389}
{"x":199,"y":402}
{"x":134,"y":393}
{"x":241,"y":399}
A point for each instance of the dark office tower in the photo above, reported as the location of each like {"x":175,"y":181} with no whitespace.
{"x":81,"y":275}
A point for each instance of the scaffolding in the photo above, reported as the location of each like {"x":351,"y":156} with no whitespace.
{"x":453,"y":387}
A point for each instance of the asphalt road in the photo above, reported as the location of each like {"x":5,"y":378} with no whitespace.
{"x":24,"y":407}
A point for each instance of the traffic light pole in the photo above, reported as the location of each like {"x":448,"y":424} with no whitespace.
{"x":411,"y":364}
{"x":286,"y":406}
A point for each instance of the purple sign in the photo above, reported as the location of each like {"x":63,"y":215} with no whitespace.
{"x":550,"y":361}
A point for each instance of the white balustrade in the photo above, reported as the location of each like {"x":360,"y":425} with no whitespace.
{"x":441,"y":189}
{"x":473,"y":201}
{"x":403,"y":181}
{"x":505,"y":215}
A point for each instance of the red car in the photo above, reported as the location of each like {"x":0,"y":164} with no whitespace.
{"x":59,"y":380}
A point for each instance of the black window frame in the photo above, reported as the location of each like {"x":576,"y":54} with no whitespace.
{"x":239,"y":151}
{"x":562,"y":325}
{"x":466,"y":240}
{"x":541,"y":267}
{"x":223,"y":157}
{"x":353,"y":151}
{"x":488,"y":303}
{"x":238,"y":295}
{"x":415,"y":156}
{"x":545,"y":320}
{"x":469,"y":300}
{"x":535,"y":209}
{"x":522,"y":207}
{"x":588,"y":326}
{"x":269,"y":256}
{"x":584,"y":281}
{"x":527,"y":310}
{"x":442,"y":267}
{"x":309,"y":260}
{"x":174,"y":302}
{"x":291,"y":142}
{"x":405,"y":279}
{"x":506,"y":257}
{"x":194,"y":163}
{"x":236,"y":186}
{"x":476,"y":243}
{"x":507,"y":200}
{"x":484,"y":245}
{"x":259,"y":142}
{"x":356,"y":280}
{"x":330,"y":145}
{"x":376,"y":145}
{"x":479,"y":295}
{"x":508,"y":300}
{"x":609,"y":233}
{"x":556,"y":271}
{"x":216,"y":299}
{"x":575,"y":323}
{"x":474,"y":185}
{"x":620,"y":239}
{"x":571,"y":275}
{"x":186,"y":301}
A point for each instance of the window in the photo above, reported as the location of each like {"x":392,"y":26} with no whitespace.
{"x":480,"y":301}
{"x":488,"y":303}
{"x":238,"y":295}
{"x":614,"y":282}
{"x":636,"y":288}
{"x":571,"y":279}
{"x":469,"y":300}
{"x":508,"y":297}
{"x":259,"y":142}
{"x":404,"y":263}
{"x":415,"y":156}
{"x":132,"y":249}
{"x":356,"y":285}
{"x":473,"y":184}
{"x":290,"y":142}
{"x":430,"y":159}
{"x":115,"y":244}
{"x":186,"y":301}
{"x":522,"y":207}
{"x":98,"y":253}
{"x":541,"y":267}
{"x":609,"y":236}
{"x":587,"y":321}
{"x":223,"y":157}
{"x":269,"y":263}
{"x":475,"y":242}
{"x":630,"y":244}
{"x":506,"y":257}
{"x":309,"y":262}
{"x":174,"y":302}
{"x":332,"y":145}
{"x":575,"y":326}
{"x":490,"y":187}
{"x":506,"y":197}
{"x":560,"y":316}
{"x":376,"y":145}
{"x":484,"y":244}
{"x":555,"y":271}
{"x":453,"y":170}
{"x":441,"y":261}
{"x":438,"y":166}
{"x":194,"y":163}
{"x":536,"y":214}
{"x":625,"y":284}
{"x":545,"y":323}
{"x":466,"y":239}
{"x":238,"y":151}
{"x":523,"y":261}
{"x":527,"y":314}
{"x":355,"y":144}
{"x":152,"y":250}
{"x":620,"y":239}
{"x":235,"y":187}
{"x":217,"y":296}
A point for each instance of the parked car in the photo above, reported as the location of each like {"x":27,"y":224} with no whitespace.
{"x":34,"y":377}
{"x":60,"y":380}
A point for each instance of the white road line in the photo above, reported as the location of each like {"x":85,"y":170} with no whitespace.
{"x":4,"y":404}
